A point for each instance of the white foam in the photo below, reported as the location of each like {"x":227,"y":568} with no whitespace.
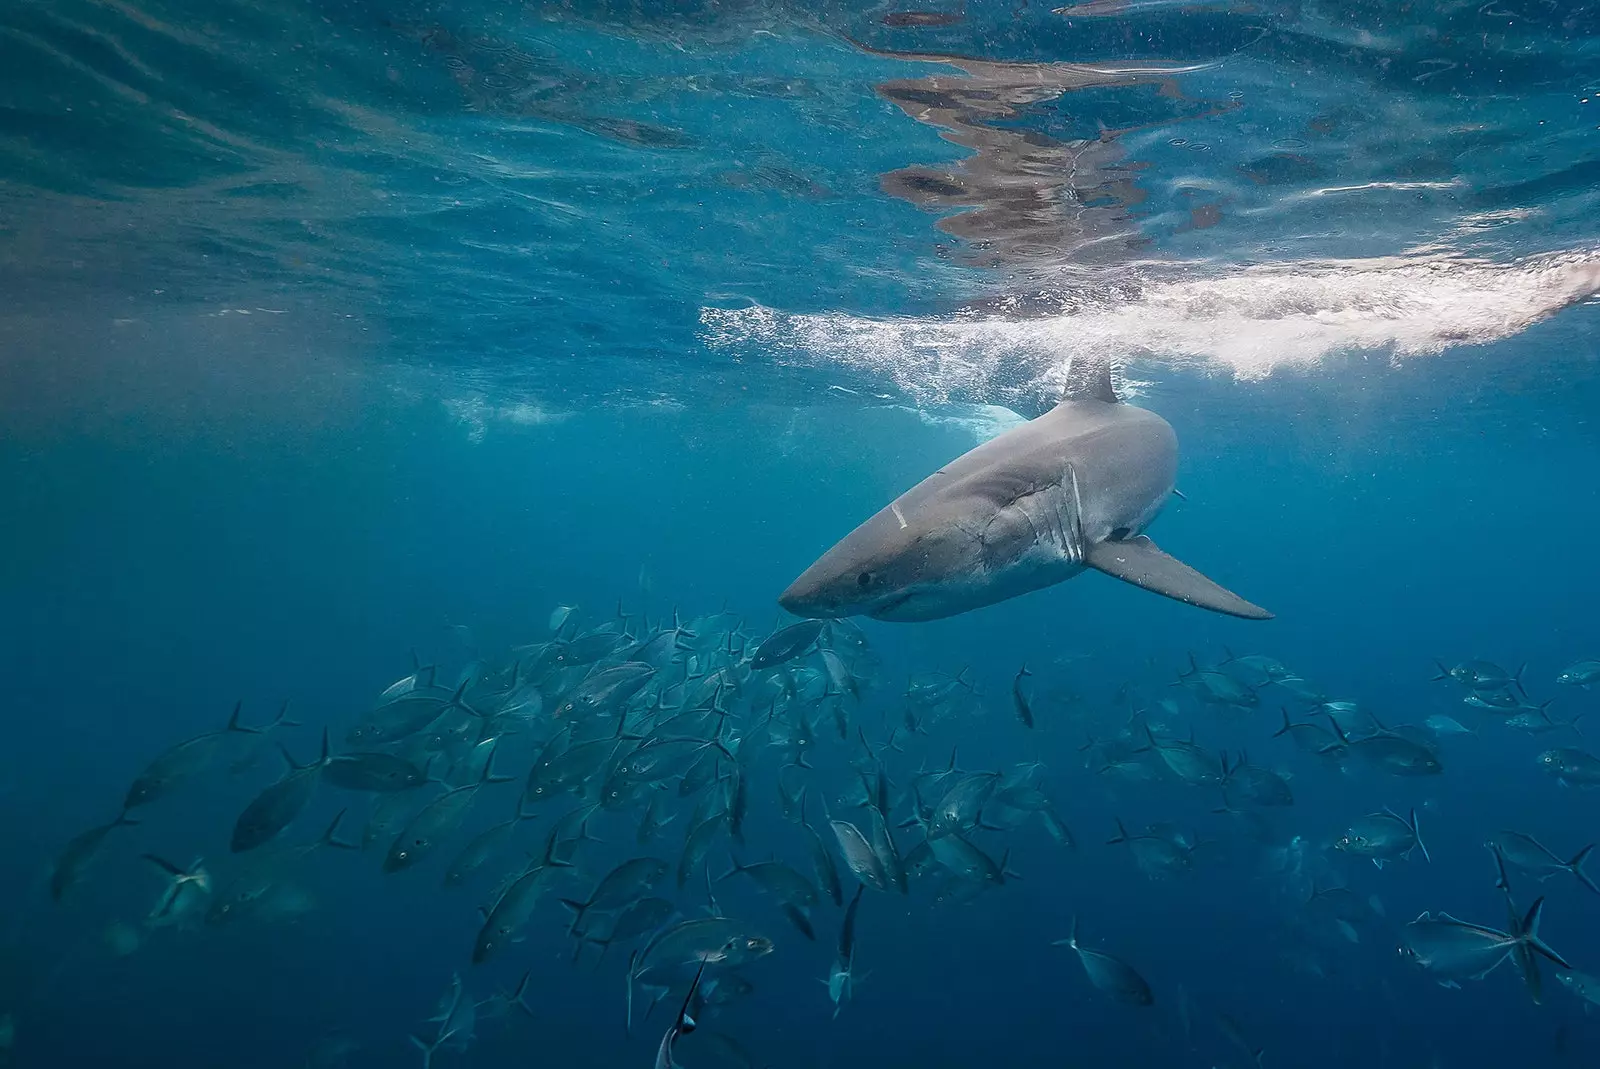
{"x":477,"y":413}
{"x":981,"y":421}
{"x":1249,"y":323}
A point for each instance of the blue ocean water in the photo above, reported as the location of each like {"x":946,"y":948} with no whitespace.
{"x":332,"y":332}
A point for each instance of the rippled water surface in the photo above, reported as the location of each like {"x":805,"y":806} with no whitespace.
{"x":338,"y":333}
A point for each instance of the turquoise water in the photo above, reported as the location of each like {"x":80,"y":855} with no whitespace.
{"x":334,"y":332}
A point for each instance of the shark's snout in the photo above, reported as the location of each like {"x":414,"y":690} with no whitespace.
{"x":807,"y":596}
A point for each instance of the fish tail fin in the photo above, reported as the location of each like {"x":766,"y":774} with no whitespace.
{"x":1006,"y":872}
{"x":1544,"y":949}
{"x":584,"y":834}
{"x":233,"y":721}
{"x":519,"y":997}
{"x":330,"y":838}
{"x":425,"y":1047}
{"x":165,"y":866}
{"x":1501,"y":880}
{"x":1416,"y":833}
{"x":1528,"y":931}
{"x":633,"y":964}
{"x":578,"y":910}
{"x":1517,"y":679}
{"x":1287,"y":726}
{"x":458,"y":700}
{"x":1023,"y":673}
{"x":488,"y":776}
{"x":1575,"y":866}
{"x":281,"y":720}
{"x":1122,"y":833}
{"x":1444,"y":673}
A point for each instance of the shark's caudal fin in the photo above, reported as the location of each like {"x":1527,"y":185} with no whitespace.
{"x":1140,"y":561}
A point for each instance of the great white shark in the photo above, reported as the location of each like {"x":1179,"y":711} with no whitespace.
{"x":1071,"y":490}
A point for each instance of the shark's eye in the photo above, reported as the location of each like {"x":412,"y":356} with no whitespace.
{"x":864,"y":579}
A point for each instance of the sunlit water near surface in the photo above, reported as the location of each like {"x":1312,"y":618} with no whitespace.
{"x":335,"y":331}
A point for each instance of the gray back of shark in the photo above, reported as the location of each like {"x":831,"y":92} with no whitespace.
{"x":1071,"y":490}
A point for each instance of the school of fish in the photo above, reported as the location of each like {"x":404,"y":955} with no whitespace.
{"x":603,"y":779}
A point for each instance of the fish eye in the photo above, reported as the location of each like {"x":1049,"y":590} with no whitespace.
{"x":864,"y":579}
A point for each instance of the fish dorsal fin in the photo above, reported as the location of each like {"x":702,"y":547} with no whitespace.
{"x":1089,"y":380}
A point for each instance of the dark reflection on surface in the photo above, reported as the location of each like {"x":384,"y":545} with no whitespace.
{"x":498,"y":78}
{"x":1031,"y":193}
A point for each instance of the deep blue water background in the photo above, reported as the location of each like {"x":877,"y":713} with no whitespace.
{"x":485,"y":388}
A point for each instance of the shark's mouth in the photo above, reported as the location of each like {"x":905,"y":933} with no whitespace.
{"x":882,"y":611}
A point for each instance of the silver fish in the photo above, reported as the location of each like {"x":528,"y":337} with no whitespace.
{"x":618,"y":889}
{"x":1109,"y":975}
{"x":512,"y":909}
{"x":858,"y":854}
{"x":1537,"y":860}
{"x":786,"y":644}
{"x":1383,"y":837}
{"x":1019,"y":700}
{"x":1580,"y":674}
{"x":162,"y":775}
{"x":81,"y":850}
{"x":841,"y":975}
{"x":1572,"y":767}
{"x":276,"y":807}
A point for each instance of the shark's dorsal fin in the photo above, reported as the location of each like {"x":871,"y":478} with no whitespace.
{"x":1089,"y":380}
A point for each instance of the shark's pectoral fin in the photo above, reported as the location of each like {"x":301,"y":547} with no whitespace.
{"x":1140,"y":561}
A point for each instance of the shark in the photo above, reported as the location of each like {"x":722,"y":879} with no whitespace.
{"x":1070,"y":491}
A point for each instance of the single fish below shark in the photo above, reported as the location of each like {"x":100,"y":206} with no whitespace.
{"x":1033,"y":507}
